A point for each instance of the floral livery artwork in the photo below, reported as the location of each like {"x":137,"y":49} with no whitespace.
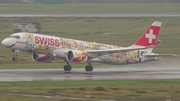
{"x":77,"y":44}
{"x":47,"y":45}
{"x":29,"y":37}
{"x":116,"y":58}
{"x":128,"y":58}
{"x":43,"y":49}
{"x":80,"y":57}
{"x":30,"y":40}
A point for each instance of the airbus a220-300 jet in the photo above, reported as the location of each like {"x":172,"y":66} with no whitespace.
{"x":44,"y":48}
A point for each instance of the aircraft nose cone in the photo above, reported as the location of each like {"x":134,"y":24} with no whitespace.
{"x":3,"y":42}
{"x":6,"y":43}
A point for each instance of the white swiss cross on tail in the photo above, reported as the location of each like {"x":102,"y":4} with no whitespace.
{"x":150,"y":36}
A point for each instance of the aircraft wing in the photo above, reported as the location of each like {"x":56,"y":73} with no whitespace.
{"x":159,"y":55}
{"x":95,"y":53}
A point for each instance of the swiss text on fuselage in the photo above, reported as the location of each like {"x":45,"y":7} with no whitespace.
{"x":47,"y":41}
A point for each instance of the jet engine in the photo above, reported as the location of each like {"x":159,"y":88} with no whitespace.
{"x":42,"y":58}
{"x":77,"y":56}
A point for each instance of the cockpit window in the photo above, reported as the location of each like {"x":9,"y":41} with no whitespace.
{"x":17,"y":37}
{"x":14,"y":36}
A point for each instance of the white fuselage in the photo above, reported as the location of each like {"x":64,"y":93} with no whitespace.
{"x":58,"y":47}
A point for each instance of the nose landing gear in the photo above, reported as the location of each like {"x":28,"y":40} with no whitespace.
{"x":15,"y":54}
{"x":14,"y":58}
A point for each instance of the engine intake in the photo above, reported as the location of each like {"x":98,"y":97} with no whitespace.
{"x":42,"y":58}
{"x":77,"y":56}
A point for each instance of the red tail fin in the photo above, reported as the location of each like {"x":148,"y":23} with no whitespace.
{"x":150,"y":36}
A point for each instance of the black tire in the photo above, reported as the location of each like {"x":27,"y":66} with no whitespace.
{"x":69,"y":68}
{"x":87,"y":68}
{"x":65,"y":68}
{"x":90,"y":68}
{"x":14,"y":59}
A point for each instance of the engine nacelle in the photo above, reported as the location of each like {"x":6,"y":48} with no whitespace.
{"x":77,"y":56}
{"x":42,"y":58}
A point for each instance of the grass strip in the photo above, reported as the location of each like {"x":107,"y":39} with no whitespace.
{"x":90,"y":8}
{"x":145,"y":90}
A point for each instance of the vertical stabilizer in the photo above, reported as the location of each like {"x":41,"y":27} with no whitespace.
{"x":150,"y":36}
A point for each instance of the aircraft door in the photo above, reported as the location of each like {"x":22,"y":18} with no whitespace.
{"x":29,"y":40}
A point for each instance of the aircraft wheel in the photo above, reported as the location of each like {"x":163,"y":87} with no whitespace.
{"x":87,"y":68}
{"x":14,"y":59}
{"x":90,"y":68}
{"x":67,"y":68}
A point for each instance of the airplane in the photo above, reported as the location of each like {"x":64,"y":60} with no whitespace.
{"x":45,"y":48}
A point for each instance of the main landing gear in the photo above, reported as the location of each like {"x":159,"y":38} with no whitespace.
{"x":89,"y":67}
{"x":15,"y":54}
{"x":67,"y":67}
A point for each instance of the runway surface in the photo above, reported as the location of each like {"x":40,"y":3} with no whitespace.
{"x":95,"y":15}
{"x":111,"y":73}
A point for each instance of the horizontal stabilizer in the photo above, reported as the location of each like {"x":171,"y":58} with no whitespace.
{"x":159,"y":55}
{"x":155,"y":44}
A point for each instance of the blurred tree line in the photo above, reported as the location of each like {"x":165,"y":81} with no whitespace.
{"x":100,"y":1}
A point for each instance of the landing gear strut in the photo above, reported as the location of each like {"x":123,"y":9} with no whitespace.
{"x":89,"y":67}
{"x":15,"y":54}
{"x":67,"y":67}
